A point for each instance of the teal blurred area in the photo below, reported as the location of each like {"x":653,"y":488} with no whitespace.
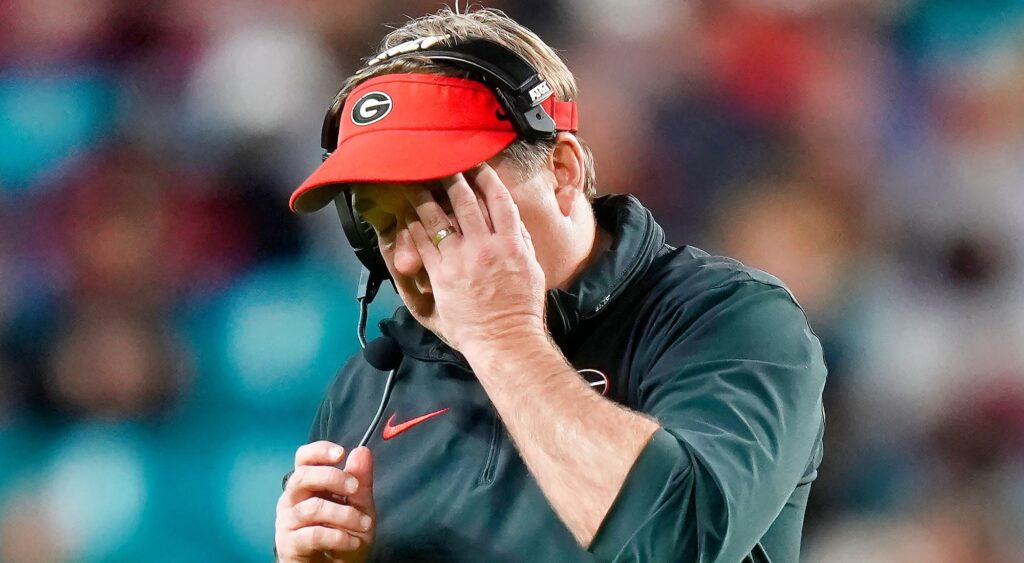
{"x":49,"y":119}
{"x":168,"y":327}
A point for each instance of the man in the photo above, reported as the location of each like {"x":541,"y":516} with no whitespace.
{"x":572,"y":388}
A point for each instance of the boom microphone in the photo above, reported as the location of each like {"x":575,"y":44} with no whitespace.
{"x":383,"y":353}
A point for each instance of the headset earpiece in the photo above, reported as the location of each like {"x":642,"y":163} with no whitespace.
{"x":363,"y":240}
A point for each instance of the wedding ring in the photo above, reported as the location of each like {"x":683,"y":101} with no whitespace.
{"x":442,"y":234}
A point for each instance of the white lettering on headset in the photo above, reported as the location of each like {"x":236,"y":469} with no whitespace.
{"x":540,"y":92}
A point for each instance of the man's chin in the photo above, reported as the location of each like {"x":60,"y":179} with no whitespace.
{"x":422,"y":310}
{"x":427,"y":321}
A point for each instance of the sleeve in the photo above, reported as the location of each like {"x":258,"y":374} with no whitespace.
{"x":735,"y":380}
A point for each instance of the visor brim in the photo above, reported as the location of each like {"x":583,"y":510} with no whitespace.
{"x":397,"y":156}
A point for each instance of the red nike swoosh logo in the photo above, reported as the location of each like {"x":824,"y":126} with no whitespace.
{"x":391,"y":430}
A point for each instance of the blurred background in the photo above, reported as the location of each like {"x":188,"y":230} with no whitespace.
{"x":167,"y":327}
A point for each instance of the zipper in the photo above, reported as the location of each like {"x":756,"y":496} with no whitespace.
{"x":648,"y":242}
{"x":487,"y":474}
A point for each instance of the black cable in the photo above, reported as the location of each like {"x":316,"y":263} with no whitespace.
{"x":364,"y":307}
{"x":388,"y":385}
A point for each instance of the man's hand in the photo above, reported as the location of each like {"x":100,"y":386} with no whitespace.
{"x":486,"y":280}
{"x":327,"y":514}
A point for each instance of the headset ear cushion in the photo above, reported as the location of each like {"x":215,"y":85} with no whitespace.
{"x":357,"y":230}
{"x":361,"y":236}
{"x":366,"y":232}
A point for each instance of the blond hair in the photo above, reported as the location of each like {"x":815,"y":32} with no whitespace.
{"x":493,"y":25}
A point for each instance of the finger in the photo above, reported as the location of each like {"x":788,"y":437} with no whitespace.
{"x":427,"y":209}
{"x":312,"y":540}
{"x":319,"y":453}
{"x":482,"y":204}
{"x":502,"y":209}
{"x":484,"y":211}
{"x":465,"y":205}
{"x":316,"y":511}
{"x":360,"y":465}
{"x":428,"y":252}
{"x":527,"y":239}
{"x":313,"y":480}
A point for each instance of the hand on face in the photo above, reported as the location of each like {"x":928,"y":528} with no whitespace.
{"x":485,"y":279}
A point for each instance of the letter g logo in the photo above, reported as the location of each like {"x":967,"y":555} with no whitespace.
{"x":371,"y":108}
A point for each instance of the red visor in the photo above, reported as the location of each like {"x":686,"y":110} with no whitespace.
{"x":413,"y":128}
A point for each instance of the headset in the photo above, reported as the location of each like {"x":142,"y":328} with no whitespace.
{"x":520,"y":91}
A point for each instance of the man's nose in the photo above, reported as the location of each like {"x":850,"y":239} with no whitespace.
{"x":407,"y":259}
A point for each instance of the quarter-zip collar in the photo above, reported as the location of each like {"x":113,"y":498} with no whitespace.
{"x":636,"y":240}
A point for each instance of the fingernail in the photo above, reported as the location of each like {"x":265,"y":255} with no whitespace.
{"x":353,"y":542}
{"x":335,"y":453}
{"x":365,"y":523}
{"x":351,"y":484}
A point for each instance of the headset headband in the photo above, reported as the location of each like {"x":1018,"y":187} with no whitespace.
{"x":515,"y":82}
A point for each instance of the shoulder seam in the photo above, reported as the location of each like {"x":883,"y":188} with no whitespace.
{"x":752,"y":279}
{"x":789,"y":293}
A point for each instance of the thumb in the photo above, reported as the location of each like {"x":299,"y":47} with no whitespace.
{"x":360,"y":464}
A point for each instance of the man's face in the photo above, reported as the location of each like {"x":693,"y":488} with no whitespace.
{"x":385,"y":205}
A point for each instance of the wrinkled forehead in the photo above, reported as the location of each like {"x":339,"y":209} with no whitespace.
{"x":368,"y":195}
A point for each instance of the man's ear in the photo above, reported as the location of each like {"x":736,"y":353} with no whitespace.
{"x":566,"y":163}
